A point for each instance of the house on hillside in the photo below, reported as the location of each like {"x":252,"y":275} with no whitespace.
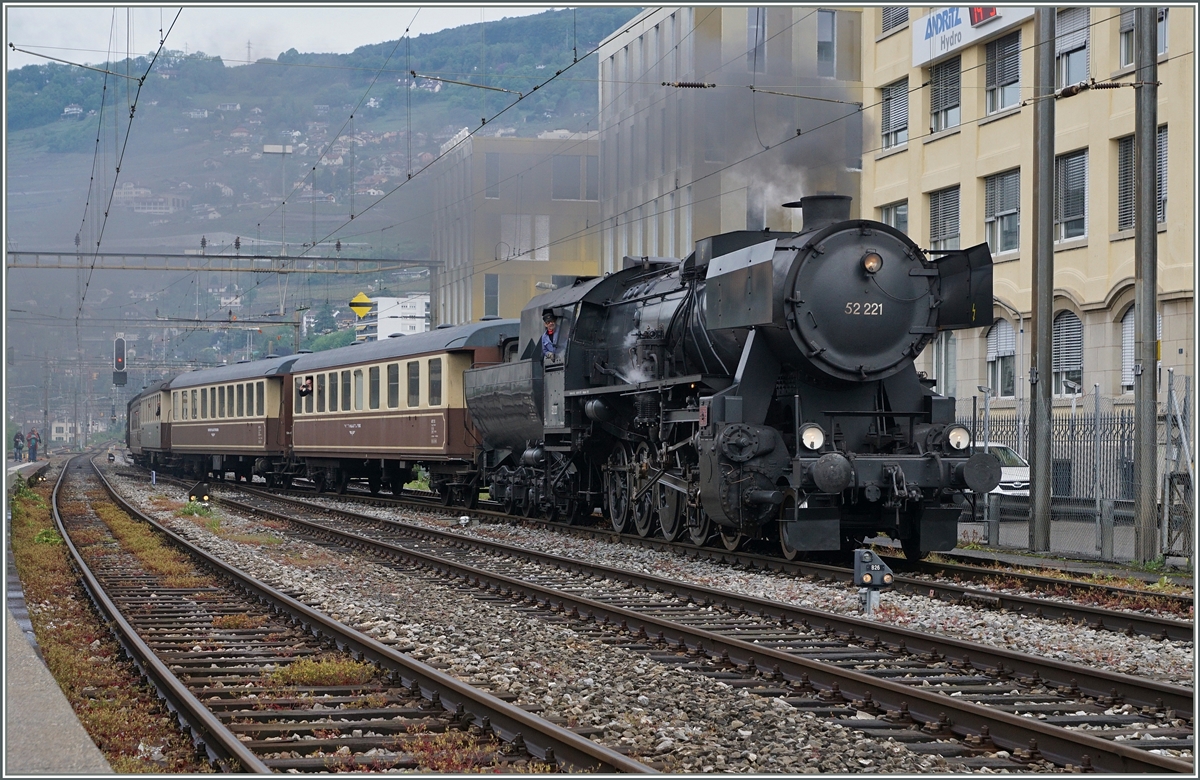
{"x":240,"y":132}
{"x":229,"y":106}
{"x":196,"y":113}
{"x":72,"y":111}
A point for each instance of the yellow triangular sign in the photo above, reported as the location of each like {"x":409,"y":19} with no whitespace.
{"x":361,"y":304}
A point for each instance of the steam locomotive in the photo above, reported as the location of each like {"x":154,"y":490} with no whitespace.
{"x":763,"y":386}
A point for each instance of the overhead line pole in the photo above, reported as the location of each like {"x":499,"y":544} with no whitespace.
{"x":1145,"y":242}
{"x":1041,"y":365}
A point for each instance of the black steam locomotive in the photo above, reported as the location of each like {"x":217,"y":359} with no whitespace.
{"x":763,"y":385}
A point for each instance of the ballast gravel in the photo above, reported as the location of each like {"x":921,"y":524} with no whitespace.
{"x":679,"y":719}
{"x":1140,"y":656}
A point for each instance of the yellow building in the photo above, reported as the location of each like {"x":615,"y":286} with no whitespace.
{"x":711,"y":118}
{"x":948,"y":154}
{"x":515,"y":217}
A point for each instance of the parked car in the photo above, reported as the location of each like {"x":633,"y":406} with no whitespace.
{"x":1014,"y":471}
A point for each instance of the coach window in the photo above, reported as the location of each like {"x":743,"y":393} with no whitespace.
{"x":345,"y":391}
{"x":414,"y":384}
{"x":212,"y":403}
{"x":230,"y":402}
{"x":358,"y":389}
{"x":195,"y":407}
{"x":181,"y":406}
{"x":393,"y":385}
{"x":308,"y":399}
{"x":175,"y":403}
{"x":204,"y":403}
{"x":249,"y":399}
{"x":220,"y":402}
{"x":260,"y":396}
{"x":333,"y":391}
{"x":320,"y":392}
{"x":241,"y":400}
{"x":373,"y":390}
{"x":435,"y":382}
{"x":299,"y":404}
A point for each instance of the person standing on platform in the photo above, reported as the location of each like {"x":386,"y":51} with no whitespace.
{"x":33,"y":441}
{"x":18,"y":446}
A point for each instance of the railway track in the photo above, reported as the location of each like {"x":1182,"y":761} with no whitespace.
{"x":1147,"y":613}
{"x":267,"y":683}
{"x":957,"y":699}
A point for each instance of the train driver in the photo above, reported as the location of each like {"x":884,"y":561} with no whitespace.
{"x":550,"y":346}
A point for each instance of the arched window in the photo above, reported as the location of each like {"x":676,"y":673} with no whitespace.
{"x":1068,"y":353}
{"x":1127,"y":328}
{"x":1001,"y":359}
{"x":945,"y":363}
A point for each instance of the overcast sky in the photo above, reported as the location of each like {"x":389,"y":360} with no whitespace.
{"x":88,"y":34}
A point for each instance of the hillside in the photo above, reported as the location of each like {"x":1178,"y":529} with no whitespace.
{"x":193,"y":163}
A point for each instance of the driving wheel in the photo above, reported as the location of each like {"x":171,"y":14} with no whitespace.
{"x":644,"y":507}
{"x":616,"y":487}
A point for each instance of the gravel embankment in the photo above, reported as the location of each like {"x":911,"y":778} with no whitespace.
{"x":684,"y":720}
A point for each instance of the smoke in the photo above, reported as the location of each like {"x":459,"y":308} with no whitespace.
{"x":797,"y":144}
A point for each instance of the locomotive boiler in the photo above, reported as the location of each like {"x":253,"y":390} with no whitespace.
{"x":764,"y":386}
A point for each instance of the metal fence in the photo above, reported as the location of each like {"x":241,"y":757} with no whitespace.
{"x":1092,"y":476}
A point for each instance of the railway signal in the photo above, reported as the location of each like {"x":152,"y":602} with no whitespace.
{"x":870,"y":575}
{"x":119,"y":376}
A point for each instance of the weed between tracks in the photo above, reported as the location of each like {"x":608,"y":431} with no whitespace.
{"x":118,"y":711}
{"x":324,"y":670}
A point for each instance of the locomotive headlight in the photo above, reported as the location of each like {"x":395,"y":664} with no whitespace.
{"x":872,"y":262}
{"x":958,"y":437}
{"x":812,"y":437}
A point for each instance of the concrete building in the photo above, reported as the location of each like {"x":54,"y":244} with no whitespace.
{"x":514,"y":217}
{"x":948,"y":155}
{"x":394,"y":316}
{"x":711,"y":118}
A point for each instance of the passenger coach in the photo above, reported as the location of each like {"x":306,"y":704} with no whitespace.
{"x":228,"y":418}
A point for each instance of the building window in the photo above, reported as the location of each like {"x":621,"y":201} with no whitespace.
{"x":1128,"y":17}
{"x":1068,"y":354}
{"x":591,"y":181}
{"x":943,"y":219}
{"x":1128,"y":328}
{"x":1126,"y":166}
{"x":491,"y":295}
{"x":945,"y":363}
{"x":756,"y":40}
{"x":896,"y":215}
{"x":1001,"y":211}
{"x":893,"y":17}
{"x":414,"y":384}
{"x":1004,"y":73}
{"x":1071,"y":46}
{"x":826,"y":48}
{"x":1070,"y":195}
{"x":526,"y":235}
{"x":1001,"y":359}
{"x":566,"y":181}
{"x":491,"y":168}
{"x":944,"y":95}
{"x":895,"y":114}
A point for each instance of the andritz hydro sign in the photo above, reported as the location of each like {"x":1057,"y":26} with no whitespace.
{"x":948,"y":30}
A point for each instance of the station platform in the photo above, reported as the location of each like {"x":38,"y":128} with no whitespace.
{"x":42,"y":735}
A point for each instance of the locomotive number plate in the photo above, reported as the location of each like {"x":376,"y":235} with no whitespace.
{"x":865,"y":309}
